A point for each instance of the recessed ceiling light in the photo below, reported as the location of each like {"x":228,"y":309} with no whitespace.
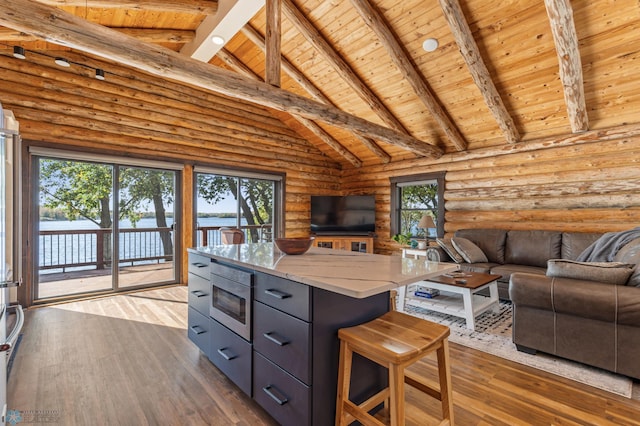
{"x":99,"y":74}
{"x":430,"y":44}
{"x":18,"y":52}
{"x":62,"y":62}
{"x":216,"y":39}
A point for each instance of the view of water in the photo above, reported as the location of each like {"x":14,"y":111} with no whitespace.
{"x":82,"y":248}
{"x":49,"y":225}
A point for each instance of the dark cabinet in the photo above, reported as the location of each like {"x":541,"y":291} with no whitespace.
{"x":290,"y":367}
{"x":284,"y":397}
{"x":232,"y":355}
{"x":199,"y":285}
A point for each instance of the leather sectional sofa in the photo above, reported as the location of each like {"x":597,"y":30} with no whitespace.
{"x":591,"y":319}
{"x":508,"y":252}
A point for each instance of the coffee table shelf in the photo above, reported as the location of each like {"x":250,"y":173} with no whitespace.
{"x":457,"y":299}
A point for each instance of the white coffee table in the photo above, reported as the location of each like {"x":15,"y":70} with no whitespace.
{"x":456,"y":298}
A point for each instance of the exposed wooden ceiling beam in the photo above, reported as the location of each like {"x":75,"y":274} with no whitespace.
{"x":272,"y":40}
{"x":478,"y":69}
{"x":59,"y":27}
{"x":206,"y":7}
{"x":402,"y":59}
{"x":307,"y":85}
{"x":243,"y":69}
{"x":566,"y":39}
{"x":317,"y":40}
{"x":148,"y":35}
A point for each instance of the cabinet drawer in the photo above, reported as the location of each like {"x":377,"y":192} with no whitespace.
{"x":199,"y":293}
{"x":199,"y":265}
{"x":199,"y":330}
{"x":283,"y":339}
{"x":288,"y":296}
{"x":284,"y":397}
{"x":232,"y":355}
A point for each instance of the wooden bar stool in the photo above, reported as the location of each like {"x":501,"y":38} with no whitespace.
{"x":395,"y":340}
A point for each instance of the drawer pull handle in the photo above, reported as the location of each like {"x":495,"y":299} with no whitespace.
{"x":275,"y":340}
{"x":197,"y":329}
{"x":225,"y":356}
{"x":277,"y":294}
{"x":199,"y":265}
{"x":198,"y":293}
{"x":279,"y":401}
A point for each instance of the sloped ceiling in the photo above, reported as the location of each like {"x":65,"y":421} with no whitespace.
{"x":505,"y":72}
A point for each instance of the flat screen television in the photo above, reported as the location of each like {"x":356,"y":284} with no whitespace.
{"x":343,"y":215}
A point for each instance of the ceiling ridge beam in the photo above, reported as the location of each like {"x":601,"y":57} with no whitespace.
{"x":59,"y":27}
{"x":478,"y":69}
{"x":272,"y":40}
{"x":206,"y":7}
{"x":311,"y":88}
{"x":403,"y":61}
{"x":566,"y":41}
{"x":243,"y":69}
{"x":344,"y":70}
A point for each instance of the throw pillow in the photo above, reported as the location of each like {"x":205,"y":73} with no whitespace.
{"x":470,"y":252}
{"x":607,"y":272}
{"x":448,"y":248}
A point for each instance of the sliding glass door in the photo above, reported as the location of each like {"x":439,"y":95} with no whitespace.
{"x":103,"y":227}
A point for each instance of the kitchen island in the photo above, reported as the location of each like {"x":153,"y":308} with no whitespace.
{"x":285,"y":354}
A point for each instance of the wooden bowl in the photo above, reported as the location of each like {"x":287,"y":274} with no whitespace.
{"x":298,"y":245}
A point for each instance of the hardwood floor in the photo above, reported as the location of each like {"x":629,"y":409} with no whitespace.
{"x":126,"y":360}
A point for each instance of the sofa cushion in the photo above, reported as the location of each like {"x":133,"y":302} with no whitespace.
{"x":470,"y":252}
{"x":507,"y":269}
{"x":532,"y":248}
{"x":483,"y":267}
{"x":606,"y":272}
{"x":574,"y":243}
{"x":490,"y":241}
{"x":630,"y":253}
{"x":447,"y":246}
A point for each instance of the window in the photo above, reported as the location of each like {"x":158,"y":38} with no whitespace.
{"x":414,"y":196}
{"x":244,"y":200}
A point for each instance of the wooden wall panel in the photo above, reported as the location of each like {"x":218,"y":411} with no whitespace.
{"x":579,"y":184}
{"x":136,"y":114}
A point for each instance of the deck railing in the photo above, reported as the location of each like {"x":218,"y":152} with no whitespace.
{"x":61,"y":250}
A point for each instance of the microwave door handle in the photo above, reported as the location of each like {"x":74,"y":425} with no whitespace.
{"x":13,"y":336}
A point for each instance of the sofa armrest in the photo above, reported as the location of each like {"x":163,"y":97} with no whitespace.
{"x":587,"y":299}
{"x":531,"y":290}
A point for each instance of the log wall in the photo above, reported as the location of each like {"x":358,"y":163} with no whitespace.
{"x":588,"y":182}
{"x":136,"y":114}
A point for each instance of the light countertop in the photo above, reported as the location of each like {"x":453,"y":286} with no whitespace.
{"x":350,"y":273}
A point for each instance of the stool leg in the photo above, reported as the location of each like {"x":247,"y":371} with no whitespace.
{"x":344,"y":381}
{"x":444,"y":373}
{"x":396,"y":397}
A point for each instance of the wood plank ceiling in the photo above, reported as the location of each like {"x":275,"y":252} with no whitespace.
{"x":504,"y":72}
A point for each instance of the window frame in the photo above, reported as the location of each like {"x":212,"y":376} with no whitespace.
{"x":397,"y":183}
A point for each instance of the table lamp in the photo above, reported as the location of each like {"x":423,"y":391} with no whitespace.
{"x":425,"y":223}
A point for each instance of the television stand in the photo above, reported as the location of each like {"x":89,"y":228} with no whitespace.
{"x":359,"y":243}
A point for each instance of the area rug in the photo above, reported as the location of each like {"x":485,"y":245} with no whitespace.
{"x":493,"y":335}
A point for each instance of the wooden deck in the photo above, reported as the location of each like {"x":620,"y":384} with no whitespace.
{"x":90,"y":281}
{"x":126,"y":360}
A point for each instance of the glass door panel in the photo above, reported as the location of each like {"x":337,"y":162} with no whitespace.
{"x":146,"y":249}
{"x":75,"y":236}
{"x":256,"y":209}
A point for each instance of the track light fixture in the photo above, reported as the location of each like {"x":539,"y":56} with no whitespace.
{"x":18,"y":52}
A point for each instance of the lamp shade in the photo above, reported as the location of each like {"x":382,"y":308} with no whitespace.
{"x":426,"y":222}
